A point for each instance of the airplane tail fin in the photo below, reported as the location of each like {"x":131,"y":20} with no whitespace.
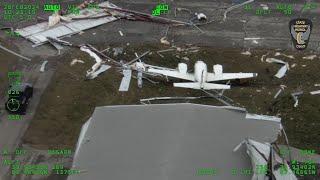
{"x":206,"y":86}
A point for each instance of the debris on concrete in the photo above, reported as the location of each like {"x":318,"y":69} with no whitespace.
{"x":74,"y":61}
{"x":282,"y":71}
{"x":315,"y":92}
{"x":281,"y":54}
{"x":295,"y":97}
{"x":117,"y":51}
{"x":120,"y":32}
{"x":247,"y":53}
{"x":234,"y":7}
{"x":310,"y":57}
{"x":280,"y":91}
{"x":164,"y":41}
{"x":43,"y":65}
{"x":14,"y":53}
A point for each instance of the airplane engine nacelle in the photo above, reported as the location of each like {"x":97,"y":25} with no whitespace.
{"x":217,"y":69}
{"x":182,"y":68}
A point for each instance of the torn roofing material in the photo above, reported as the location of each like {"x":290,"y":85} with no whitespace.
{"x":38,"y":33}
{"x":166,"y":141}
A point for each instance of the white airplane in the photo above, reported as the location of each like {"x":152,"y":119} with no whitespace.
{"x":201,"y":76}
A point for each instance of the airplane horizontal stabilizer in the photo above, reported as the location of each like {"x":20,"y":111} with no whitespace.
{"x":205,"y":86}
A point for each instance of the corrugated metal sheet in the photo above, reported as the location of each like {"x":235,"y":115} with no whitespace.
{"x":37,"y":33}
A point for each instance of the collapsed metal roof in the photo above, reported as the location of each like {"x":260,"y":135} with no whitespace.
{"x":167,"y":141}
{"x":38,"y":33}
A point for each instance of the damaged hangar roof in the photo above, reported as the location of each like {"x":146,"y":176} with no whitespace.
{"x":167,"y":141}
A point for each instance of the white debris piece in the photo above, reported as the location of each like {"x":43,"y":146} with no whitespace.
{"x":316,"y":85}
{"x":201,"y":16}
{"x":96,"y":66}
{"x":315,"y":92}
{"x":311,"y":57}
{"x":280,"y":90}
{"x":74,"y":61}
{"x":164,"y":40}
{"x":264,"y":7}
{"x":295,"y":97}
{"x":282,"y":71}
{"x":95,"y":74}
{"x":252,"y":38}
{"x":247,"y":53}
{"x":125,"y":82}
{"x":255,"y":42}
{"x":54,"y":19}
{"x":293,"y":65}
{"x":43,"y":65}
{"x":281,"y":54}
{"x":120,"y":32}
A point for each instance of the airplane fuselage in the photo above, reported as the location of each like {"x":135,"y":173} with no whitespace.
{"x":200,"y":72}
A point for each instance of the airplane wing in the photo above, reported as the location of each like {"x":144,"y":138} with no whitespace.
{"x":228,"y":76}
{"x":173,"y":73}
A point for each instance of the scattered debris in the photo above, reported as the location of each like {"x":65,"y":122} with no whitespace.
{"x":303,"y":65}
{"x":264,"y":154}
{"x":293,"y":65}
{"x":59,"y":41}
{"x":281,"y":54}
{"x":38,"y":33}
{"x":295,"y":97}
{"x":282,"y":71}
{"x":171,"y":98}
{"x":74,"y":61}
{"x":43,"y":65}
{"x":96,"y":69}
{"x":120,"y":32}
{"x":94,"y":33}
{"x":280,"y":91}
{"x":315,"y":92}
{"x":164,"y":40}
{"x":117,"y":51}
{"x":258,"y":90}
{"x":234,"y":7}
{"x":95,"y":74}
{"x":14,"y":53}
{"x":247,"y":53}
{"x":311,"y":57}
{"x":316,"y":85}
